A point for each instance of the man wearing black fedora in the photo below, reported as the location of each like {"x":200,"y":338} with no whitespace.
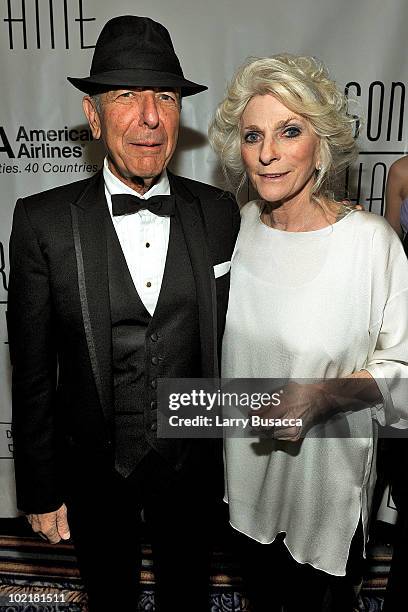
{"x":116,"y":281}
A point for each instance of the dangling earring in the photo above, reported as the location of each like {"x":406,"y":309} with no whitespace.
{"x":318,"y":167}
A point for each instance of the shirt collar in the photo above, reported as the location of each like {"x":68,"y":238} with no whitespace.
{"x":114,"y":185}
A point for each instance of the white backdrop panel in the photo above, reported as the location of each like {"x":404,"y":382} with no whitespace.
{"x":44,"y":140}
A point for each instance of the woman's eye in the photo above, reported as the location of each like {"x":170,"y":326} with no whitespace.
{"x":292,"y":131}
{"x":251,"y":137}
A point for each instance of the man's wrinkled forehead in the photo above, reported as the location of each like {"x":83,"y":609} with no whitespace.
{"x":111,"y":93}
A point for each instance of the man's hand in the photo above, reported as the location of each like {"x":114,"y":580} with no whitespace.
{"x":51,"y":526}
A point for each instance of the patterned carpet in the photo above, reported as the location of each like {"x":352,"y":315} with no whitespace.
{"x":30,"y":567}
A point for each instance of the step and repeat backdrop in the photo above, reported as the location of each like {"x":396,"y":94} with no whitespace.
{"x":45,"y":141}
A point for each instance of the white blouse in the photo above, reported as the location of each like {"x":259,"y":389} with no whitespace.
{"x":324,"y":304}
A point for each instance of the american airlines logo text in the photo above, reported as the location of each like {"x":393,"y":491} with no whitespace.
{"x":42,"y":144}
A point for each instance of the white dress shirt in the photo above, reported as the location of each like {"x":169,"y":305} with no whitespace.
{"x":143,"y":236}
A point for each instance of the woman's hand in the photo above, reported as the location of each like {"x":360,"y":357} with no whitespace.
{"x":306,"y":402}
{"x":317,"y":402}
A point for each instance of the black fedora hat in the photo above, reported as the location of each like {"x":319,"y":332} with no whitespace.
{"x":135,"y":51}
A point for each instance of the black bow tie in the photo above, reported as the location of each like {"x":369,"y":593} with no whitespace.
{"x":124,"y":204}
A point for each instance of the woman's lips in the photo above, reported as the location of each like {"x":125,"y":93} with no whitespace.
{"x":273,"y":176}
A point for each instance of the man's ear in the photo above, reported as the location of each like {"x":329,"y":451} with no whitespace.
{"x":92,"y":115}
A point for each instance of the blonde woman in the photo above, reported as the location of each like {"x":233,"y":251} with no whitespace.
{"x":312,"y":296}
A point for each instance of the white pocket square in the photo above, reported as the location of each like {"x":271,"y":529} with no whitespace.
{"x":222,"y":268}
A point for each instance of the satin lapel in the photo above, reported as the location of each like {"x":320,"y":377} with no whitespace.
{"x":89,"y":215}
{"x":189,"y":211}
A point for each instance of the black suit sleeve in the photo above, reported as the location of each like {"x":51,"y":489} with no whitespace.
{"x":33,"y":354}
{"x":236,"y":218}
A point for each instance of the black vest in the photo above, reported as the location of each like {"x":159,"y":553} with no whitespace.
{"x":147,"y":347}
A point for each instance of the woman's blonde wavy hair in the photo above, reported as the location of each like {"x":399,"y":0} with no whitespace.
{"x":303,"y":85}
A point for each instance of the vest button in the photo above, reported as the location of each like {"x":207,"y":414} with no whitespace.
{"x":154,"y":337}
{"x":153,"y":427}
{"x":155,"y":360}
{"x":153,"y":383}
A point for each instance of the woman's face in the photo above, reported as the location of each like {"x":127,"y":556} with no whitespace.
{"x":279,"y":149}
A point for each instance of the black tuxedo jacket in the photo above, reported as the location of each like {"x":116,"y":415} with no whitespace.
{"x":59,"y":320}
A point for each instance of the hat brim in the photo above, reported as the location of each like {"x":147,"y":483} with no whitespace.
{"x":118,"y":79}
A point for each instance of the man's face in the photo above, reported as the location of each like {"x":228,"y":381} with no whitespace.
{"x":139,"y":127}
